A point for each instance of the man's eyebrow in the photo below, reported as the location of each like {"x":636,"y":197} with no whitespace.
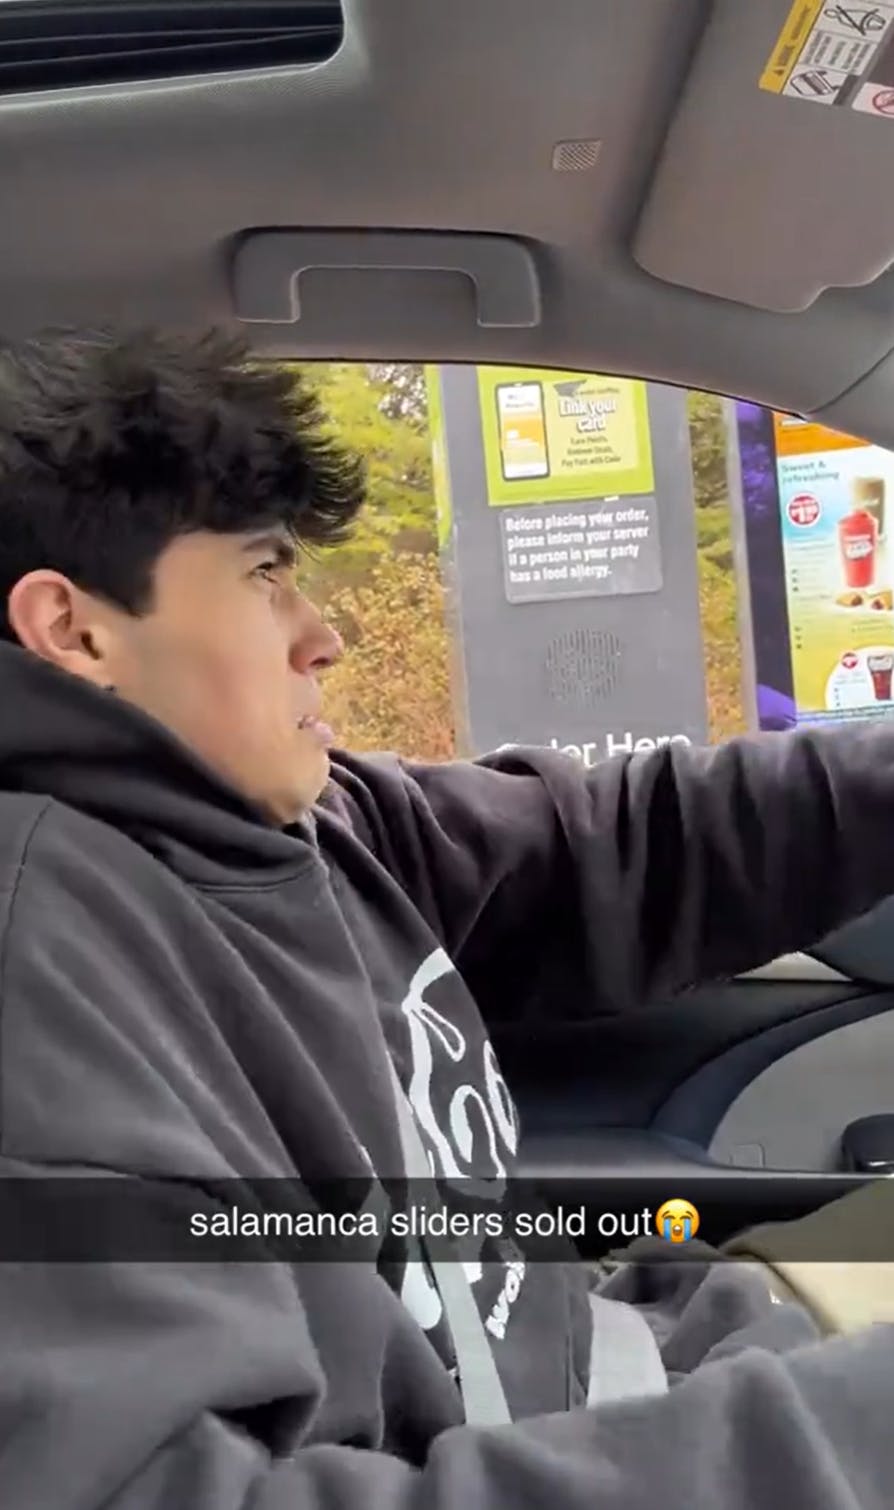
{"x":283,"y":551}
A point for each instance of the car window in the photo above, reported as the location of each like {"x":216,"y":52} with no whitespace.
{"x":596,"y":564}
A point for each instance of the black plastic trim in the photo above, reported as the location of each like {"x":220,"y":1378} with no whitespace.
{"x":695,"y":1108}
{"x":45,"y":44}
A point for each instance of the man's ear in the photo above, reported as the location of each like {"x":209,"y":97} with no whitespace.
{"x":57,"y":621}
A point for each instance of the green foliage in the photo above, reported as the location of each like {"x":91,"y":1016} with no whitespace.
{"x":399,"y":515}
{"x":393,"y":690}
{"x":718,"y":589}
{"x":708,"y":439}
{"x":714,"y":539}
{"x":403,"y":393}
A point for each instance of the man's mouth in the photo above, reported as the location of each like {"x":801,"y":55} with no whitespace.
{"x":313,"y":725}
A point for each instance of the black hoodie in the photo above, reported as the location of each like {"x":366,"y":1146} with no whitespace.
{"x":189,"y":994}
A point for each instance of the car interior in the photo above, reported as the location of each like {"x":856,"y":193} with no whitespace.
{"x":588,"y":185}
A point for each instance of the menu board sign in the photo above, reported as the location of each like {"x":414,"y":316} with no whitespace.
{"x":825,"y":500}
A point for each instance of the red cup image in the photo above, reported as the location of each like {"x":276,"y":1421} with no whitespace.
{"x":858,"y":539}
{"x":880,"y":666}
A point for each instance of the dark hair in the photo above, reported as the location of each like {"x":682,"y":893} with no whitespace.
{"x":112,"y":445}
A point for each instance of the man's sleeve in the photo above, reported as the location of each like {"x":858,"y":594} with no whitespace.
{"x":145,"y":1387}
{"x":643,"y":875}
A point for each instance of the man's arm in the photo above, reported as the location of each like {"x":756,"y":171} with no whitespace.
{"x":145,"y":1387}
{"x":643,"y":875}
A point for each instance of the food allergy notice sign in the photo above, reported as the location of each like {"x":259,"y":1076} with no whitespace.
{"x":836,"y":54}
{"x":568,"y":538}
{"x":608,"y":546}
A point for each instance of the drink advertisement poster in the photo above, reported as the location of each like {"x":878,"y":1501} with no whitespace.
{"x":818,"y":514}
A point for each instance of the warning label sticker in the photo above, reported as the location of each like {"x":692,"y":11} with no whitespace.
{"x":836,"y":55}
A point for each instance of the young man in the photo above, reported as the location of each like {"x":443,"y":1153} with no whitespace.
{"x":217,"y":938}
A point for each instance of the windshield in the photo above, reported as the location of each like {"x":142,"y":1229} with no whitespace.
{"x":597,"y":564}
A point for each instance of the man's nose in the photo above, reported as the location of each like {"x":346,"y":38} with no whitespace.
{"x":316,"y":645}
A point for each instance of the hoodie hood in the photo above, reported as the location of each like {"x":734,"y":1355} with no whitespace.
{"x":64,"y":738}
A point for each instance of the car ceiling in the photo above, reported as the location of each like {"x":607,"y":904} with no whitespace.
{"x":722,"y":236}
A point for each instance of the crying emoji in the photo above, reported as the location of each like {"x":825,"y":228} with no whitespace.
{"x":677,"y":1221}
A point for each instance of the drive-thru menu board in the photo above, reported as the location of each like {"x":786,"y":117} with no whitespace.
{"x":833,"y":495}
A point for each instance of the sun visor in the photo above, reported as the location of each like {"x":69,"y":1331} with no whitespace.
{"x":773,"y":184}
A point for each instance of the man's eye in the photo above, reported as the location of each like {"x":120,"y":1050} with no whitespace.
{"x":269,"y":570}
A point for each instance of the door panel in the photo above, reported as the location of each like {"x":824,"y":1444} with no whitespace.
{"x":624,"y":1071}
{"x":697,"y":1107}
{"x":791,"y":1116}
{"x":746,"y":1084}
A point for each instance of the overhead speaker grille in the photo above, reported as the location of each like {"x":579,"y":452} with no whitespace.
{"x":583,"y":666}
{"x":575,"y":157}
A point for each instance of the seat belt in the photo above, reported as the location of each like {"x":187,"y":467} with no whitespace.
{"x":625,"y":1363}
{"x":482,"y":1391}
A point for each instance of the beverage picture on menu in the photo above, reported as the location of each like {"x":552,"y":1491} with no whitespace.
{"x":861,"y":537}
{"x":880,"y":665}
{"x":834,"y":492}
